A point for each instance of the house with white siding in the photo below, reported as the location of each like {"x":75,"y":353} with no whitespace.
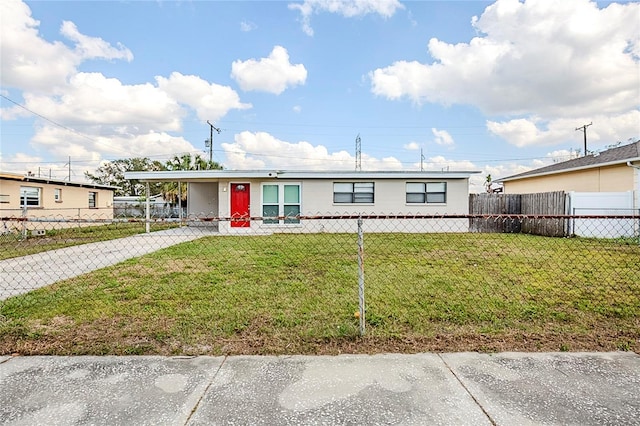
{"x":276,"y":200}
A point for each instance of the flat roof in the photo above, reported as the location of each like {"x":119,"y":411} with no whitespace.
{"x":192,"y":175}
{"x":36,"y":179}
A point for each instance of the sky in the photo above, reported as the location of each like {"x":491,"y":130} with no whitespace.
{"x":496,"y":87}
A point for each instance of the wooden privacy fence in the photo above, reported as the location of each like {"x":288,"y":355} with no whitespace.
{"x":544,"y":203}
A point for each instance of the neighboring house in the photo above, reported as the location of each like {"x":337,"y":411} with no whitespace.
{"x":135,"y":206}
{"x":599,"y":184}
{"x":49,"y":198}
{"x":279,"y":197}
{"x":614,"y":170}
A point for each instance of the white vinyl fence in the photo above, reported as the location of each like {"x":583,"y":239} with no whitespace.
{"x":604,"y":204}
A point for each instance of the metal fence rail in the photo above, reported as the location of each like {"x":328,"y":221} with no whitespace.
{"x":208,"y":284}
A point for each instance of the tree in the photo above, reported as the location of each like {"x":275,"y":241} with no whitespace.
{"x":112,"y":173}
{"x":169,"y":190}
{"x":488,"y":183}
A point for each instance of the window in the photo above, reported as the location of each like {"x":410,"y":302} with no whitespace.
{"x":57,"y":195}
{"x":281,"y":200}
{"x":29,"y":196}
{"x":430,"y":192}
{"x":353,"y":192}
{"x":93,"y":199}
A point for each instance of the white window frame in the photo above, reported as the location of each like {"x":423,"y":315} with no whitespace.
{"x":24,"y":198}
{"x":281,"y":204}
{"x":419,"y":192}
{"x":57,"y":195}
{"x":342,"y":190}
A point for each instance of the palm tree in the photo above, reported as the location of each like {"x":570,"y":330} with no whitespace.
{"x":170,"y":190}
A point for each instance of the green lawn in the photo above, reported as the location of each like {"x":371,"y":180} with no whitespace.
{"x":13,"y":245}
{"x":297,"y":293}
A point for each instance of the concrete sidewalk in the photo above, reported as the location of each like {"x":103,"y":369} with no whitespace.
{"x":23,"y":274}
{"x":420,"y":389}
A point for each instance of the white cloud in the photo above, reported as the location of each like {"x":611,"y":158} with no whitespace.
{"x":412,"y":146}
{"x":247,"y":26}
{"x":538,"y":59}
{"x":21,"y":163}
{"x":211,"y":101}
{"x":346,"y":8}
{"x":99,"y":116}
{"x":273,"y":74}
{"x":297,"y":109}
{"x":28,"y":62}
{"x":442,"y":137}
{"x":60,"y":144}
{"x":261,"y":150}
{"x":93,"y":47}
{"x":605,"y":130}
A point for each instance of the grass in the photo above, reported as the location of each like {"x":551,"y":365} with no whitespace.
{"x":286,"y":293}
{"x":13,"y":245}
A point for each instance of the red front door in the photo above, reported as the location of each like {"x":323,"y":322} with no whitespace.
{"x":240,"y":205}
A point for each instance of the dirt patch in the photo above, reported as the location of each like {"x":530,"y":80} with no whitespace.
{"x":124,"y":337}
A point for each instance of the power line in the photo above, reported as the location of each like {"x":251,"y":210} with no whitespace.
{"x":47,"y":119}
{"x":62,"y":126}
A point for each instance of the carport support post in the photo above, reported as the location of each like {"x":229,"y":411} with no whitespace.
{"x":180,"y":202}
{"x":148,"y":211}
{"x":361,"y":275}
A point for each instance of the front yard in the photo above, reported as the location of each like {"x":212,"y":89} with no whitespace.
{"x":297,"y":294}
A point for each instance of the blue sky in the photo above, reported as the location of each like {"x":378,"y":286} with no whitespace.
{"x":498,"y":87}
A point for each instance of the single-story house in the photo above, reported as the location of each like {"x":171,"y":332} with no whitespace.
{"x":43,"y":198}
{"x":614,"y":170}
{"x":281,"y":197}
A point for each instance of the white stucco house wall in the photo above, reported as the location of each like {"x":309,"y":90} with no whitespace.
{"x":279,"y":201}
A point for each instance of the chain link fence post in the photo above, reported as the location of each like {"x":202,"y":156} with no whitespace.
{"x":23,"y":232}
{"x":147,"y":222}
{"x":361,"y":275}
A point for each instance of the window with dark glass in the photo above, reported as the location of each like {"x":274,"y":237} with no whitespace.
{"x":93,"y":196}
{"x":30,"y":196}
{"x":353,"y":192}
{"x":426,"y":192}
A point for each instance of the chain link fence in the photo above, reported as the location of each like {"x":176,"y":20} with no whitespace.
{"x":317,"y":284}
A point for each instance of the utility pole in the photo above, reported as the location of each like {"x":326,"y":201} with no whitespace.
{"x":584,"y":130}
{"x":421,"y":160}
{"x":209,"y":142}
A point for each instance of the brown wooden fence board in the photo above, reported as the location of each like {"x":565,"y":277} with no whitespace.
{"x":544,"y":203}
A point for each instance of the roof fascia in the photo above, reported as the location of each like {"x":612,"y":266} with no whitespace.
{"x":572,"y":169}
{"x":239,"y":174}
